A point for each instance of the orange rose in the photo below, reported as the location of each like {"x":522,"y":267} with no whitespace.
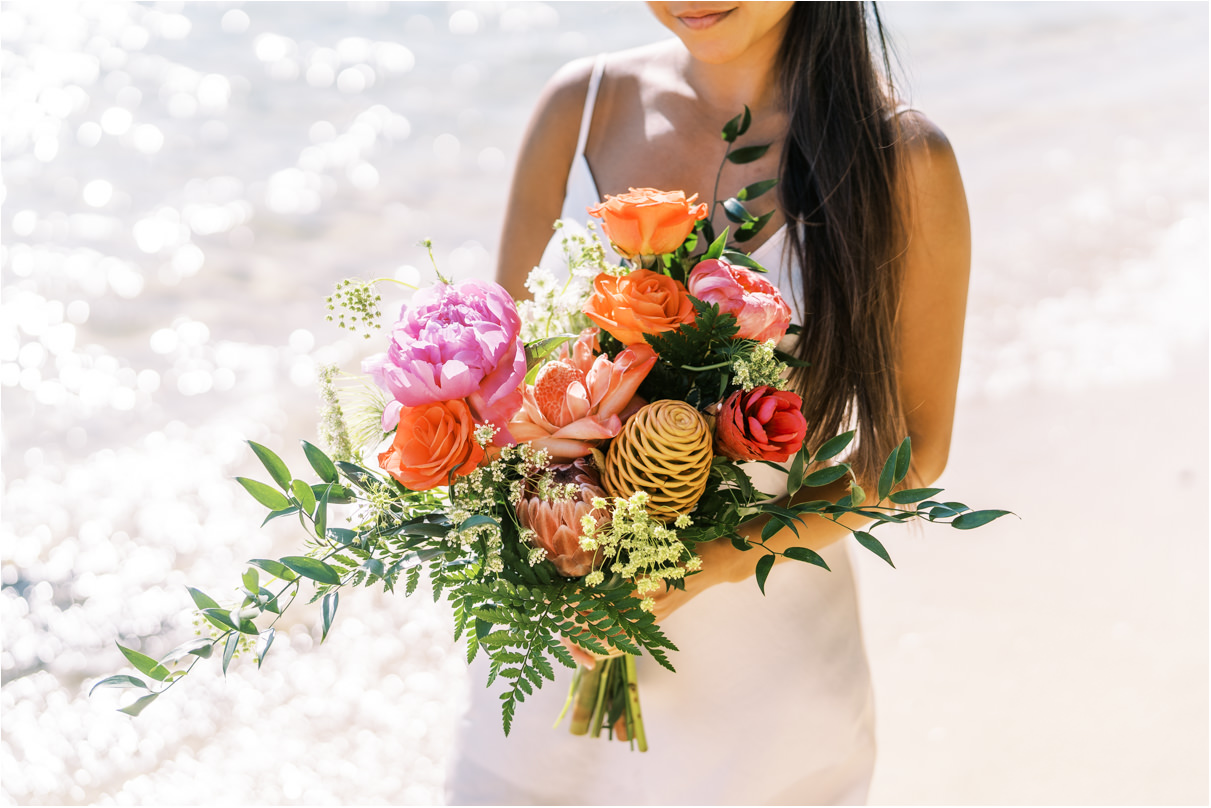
{"x":648,"y":222}
{"x":640,"y":302}
{"x":432,"y":441}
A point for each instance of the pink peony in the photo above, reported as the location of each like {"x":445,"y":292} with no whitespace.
{"x":760,"y":311}
{"x":451,"y":342}
{"x":763,"y":424}
{"x":557,"y":523}
{"x":584,"y":398}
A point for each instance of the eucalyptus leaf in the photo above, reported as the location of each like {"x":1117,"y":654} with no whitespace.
{"x":277,"y":469}
{"x":833,"y":446}
{"x":737,"y":126}
{"x":755,"y":190}
{"x":331,"y":600}
{"x":267,"y":638}
{"x":121,"y":680}
{"x":807,"y":555}
{"x":201,"y":599}
{"x":312,"y":568}
{"x":303,"y":493}
{"x":911,"y":495}
{"x":874,"y":545}
{"x":275,"y":568}
{"x":233,"y":641}
{"x":264,"y":494}
{"x":764,"y":565}
{"x":139,"y":704}
{"x":974,"y":519}
{"x":887,"y":477}
{"x":144,"y":664}
{"x":747,"y":154}
{"x":320,"y":463}
{"x":903,"y":459}
{"x":825,"y":476}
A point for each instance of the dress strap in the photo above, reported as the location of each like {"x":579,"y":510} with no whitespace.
{"x":586,"y":120}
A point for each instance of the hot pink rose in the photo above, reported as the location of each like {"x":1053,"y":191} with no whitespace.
{"x":458,"y":341}
{"x":763,"y":424}
{"x":580,"y":399}
{"x":760,"y":311}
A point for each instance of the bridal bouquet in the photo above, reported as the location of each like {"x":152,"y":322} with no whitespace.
{"x":549,"y":465}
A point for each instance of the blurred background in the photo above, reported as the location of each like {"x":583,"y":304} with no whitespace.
{"x":183,"y":184}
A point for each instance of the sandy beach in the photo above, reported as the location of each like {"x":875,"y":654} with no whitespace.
{"x":183,"y":183}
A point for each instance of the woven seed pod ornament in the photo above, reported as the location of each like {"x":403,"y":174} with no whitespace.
{"x":665,"y":450}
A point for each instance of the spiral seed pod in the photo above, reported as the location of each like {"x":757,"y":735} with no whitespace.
{"x":665,"y":450}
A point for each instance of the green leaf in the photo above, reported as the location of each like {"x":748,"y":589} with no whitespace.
{"x":736,"y":212}
{"x":887,"y":477}
{"x":264,"y":494}
{"x":751,"y":228}
{"x":794,"y":478}
{"x":805,"y":554}
{"x":268,"y":636}
{"x":974,"y":519}
{"x":717,"y":247}
{"x":139,"y":704}
{"x":538,"y":350}
{"x":275,"y":568}
{"x":201,"y":599}
{"x":755,"y":190}
{"x":233,"y":641}
{"x":121,"y":680}
{"x":833,"y":446}
{"x":825,"y":476}
{"x":742,"y":259}
{"x":375,"y":567}
{"x":737,"y":126}
{"x":911,"y":495}
{"x":747,"y":154}
{"x":856,"y":494}
{"x":329,"y":611}
{"x":275,"y":514}
{"x":321,"y":516}
{"x":144,"y":663}
{"x":250,"y":580}
{"x":741,"y":544}
{"x":277,"y":469}
{"x":320,"y":463}
{"x":220,"y":618}
{"x":903,"y":459}
{"x":198,"y":646}
{"x":764,"y":565}
{"x":874,"y":545}
{"x":312,"y":568}
{"x":477,"y":520}
{"x":303,"y":493}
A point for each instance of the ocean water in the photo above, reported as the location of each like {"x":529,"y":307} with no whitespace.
{"x":184,"y":183}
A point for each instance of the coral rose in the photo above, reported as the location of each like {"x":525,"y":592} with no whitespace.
{"x":557,"y":522}
{"x":640,"y":302}
{"x":648,"y":222}
{"x":757,"y":305}
{"x":432,"y":442}
{"x":580,"y":398}
{"x":763,"y":424}
{"x":460,"y":341}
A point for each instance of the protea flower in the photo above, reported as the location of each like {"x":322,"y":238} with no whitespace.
{"x":556,"y":523}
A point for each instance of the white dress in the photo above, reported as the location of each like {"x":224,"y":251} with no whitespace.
{"x":771,"y":703}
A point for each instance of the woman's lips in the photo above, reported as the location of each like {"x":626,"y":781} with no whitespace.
{"x":699,"y":22}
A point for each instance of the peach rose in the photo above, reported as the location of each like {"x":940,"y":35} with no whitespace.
{"x":640,"y":302}
{"x":432,"y":442}
{"x":648,"y":222}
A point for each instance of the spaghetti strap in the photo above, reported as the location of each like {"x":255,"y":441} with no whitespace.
{"x":586,"y":120}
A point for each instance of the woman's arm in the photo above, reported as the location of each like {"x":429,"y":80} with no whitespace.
{"x":540,"y":176}
{"x":933,"y":301}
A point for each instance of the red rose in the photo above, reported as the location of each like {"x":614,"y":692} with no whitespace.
{"x":763,"y":424}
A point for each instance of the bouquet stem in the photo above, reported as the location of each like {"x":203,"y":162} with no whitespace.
{"x":607,"y":696}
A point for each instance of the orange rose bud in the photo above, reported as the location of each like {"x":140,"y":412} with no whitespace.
{"x":648,"y":222}
{"x":432,"y":441}
{"x":640,"y":302}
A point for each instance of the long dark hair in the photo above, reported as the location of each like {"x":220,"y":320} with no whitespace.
{"x":844,"y":226}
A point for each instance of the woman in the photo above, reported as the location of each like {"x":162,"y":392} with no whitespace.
{"x":870,"y":239}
